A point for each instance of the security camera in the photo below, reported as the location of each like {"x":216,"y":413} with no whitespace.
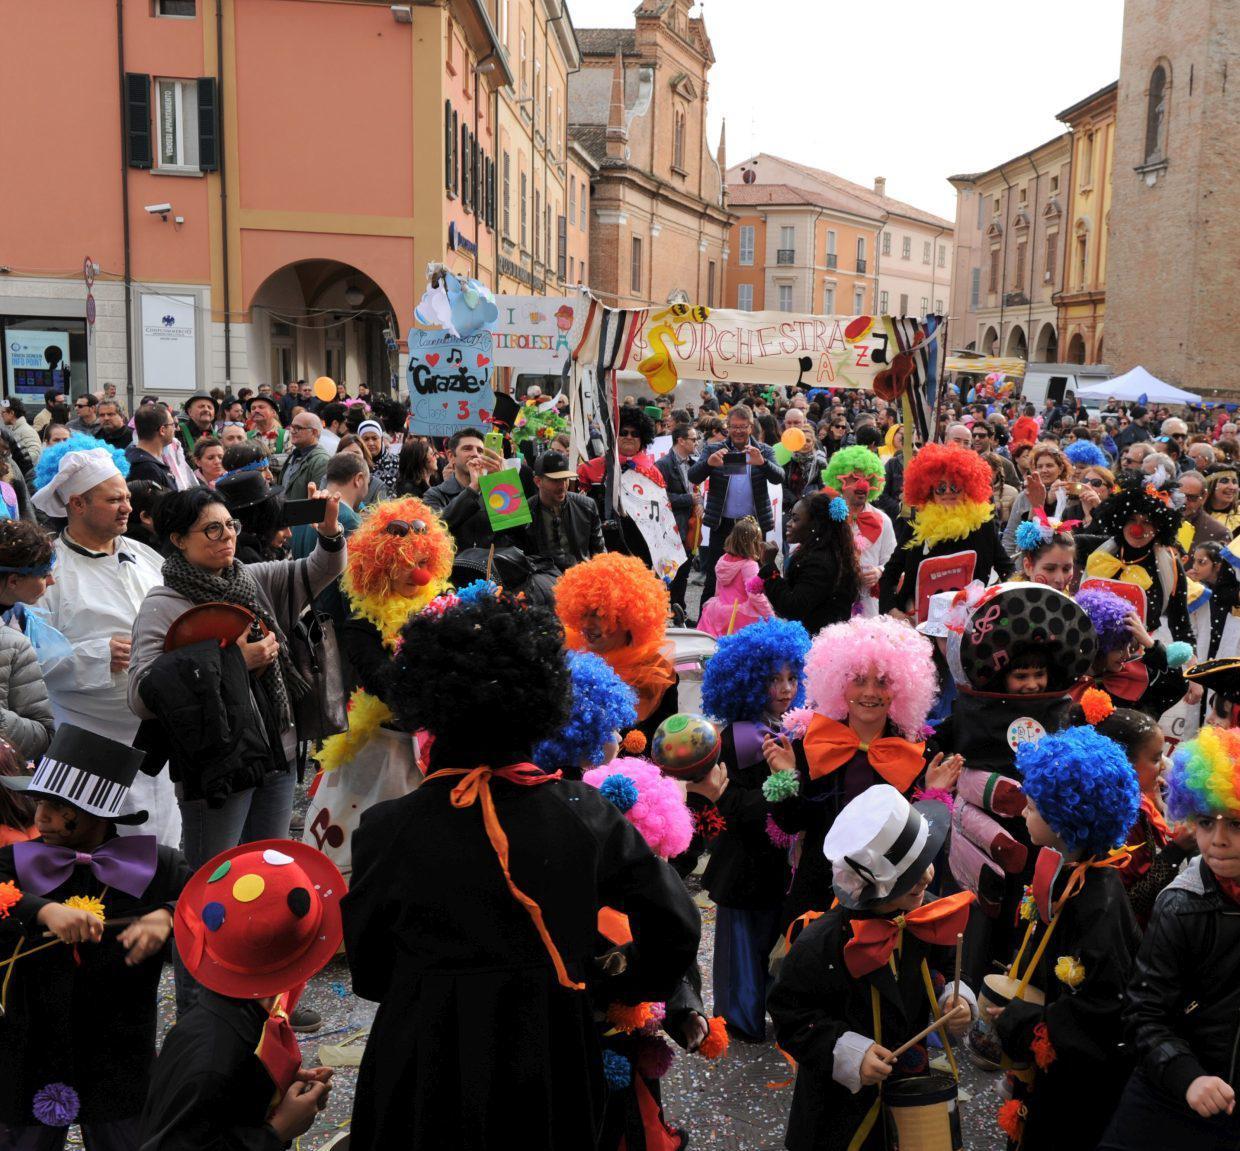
{"x":158,"y":209}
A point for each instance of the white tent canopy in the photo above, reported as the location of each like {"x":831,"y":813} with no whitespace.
{"x":1135,"y":384}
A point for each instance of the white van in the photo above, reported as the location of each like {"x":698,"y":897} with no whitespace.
{"x":1042,"y":380}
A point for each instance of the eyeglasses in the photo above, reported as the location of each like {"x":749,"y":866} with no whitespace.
{"x":402,"y":528}
{"x":300,"y":428}
{"x":1095,"y":482}
{"x":943,"y":489}
{"x":839,"y":425}
{"x":214,"y":531}
{"x":81,"y":404}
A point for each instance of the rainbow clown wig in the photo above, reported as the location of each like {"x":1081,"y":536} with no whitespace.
{"x":651,"y":801}
{"x":1109,"y":614}
{"x":857,"y":460}
{"x":935,"y":464}
{"x":1083,"y":787}
{"x":396,"y":536}
{"x":603,"y":705}
{"x":1205,"y":775}
{"x":847,"y":651}
{"x":621,"y":590}
{"x":734,"y":686}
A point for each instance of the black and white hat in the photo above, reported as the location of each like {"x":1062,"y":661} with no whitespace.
{"x":880,"y":845}
{"x":86,"y":770}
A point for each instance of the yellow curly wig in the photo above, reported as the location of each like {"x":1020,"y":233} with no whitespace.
{"x":622,"y":590}
{"x":375,"y":554}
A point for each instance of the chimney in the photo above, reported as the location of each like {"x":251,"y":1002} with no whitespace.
{"x":880,"y":185}
{"x":617,"y":130}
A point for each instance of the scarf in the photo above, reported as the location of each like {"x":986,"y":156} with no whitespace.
{"x":935,"y":524}
{"x":647,"y":671}
{"x":235,"y":585}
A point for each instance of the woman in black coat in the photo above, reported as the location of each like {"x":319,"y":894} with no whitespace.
{"x":472,"y":918}
{"x":822,"y":581}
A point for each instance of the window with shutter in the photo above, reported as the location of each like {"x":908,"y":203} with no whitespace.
{"x":507,"y":175}
{"x":456,"y":171}
{"x":449,"y":147}
{"x":710,"y":284}
{"x":466,"y":198}
{"x":138,"y":119}
{"x":562,"y":242}
{"x":975,"y":287}
{"x":208,"y":126}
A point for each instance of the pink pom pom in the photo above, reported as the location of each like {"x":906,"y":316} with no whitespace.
{"x":654,"y":1058}
{"x":935,"y":794}
{"x":796,"y":721}
{"x":777,"y":835}
{"x":755,"y":585}
{"x":660,"y":813}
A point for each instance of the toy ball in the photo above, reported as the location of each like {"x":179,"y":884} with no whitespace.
{"x":685,"y":746}
{"x":793,"y":439}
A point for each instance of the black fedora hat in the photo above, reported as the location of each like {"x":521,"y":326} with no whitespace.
{"x":244,"y":489}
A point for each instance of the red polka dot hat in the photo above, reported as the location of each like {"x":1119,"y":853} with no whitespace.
{"x":260,"y":918}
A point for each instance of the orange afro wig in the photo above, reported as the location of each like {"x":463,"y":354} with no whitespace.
{"x":394,"y":536}
{"x":938,"y":463}
{"x":621,"y":590}
{"x":1025,"y":430}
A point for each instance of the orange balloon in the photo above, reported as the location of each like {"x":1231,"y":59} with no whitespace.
{"x":793,"y":439}
{"x":325,"y":389}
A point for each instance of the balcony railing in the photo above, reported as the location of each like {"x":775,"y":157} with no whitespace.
{"x":832,"y":260}
{"x":860,"y":265}
{"x":786,"y":256}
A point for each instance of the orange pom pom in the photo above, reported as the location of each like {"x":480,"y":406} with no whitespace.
{"x":1096,"y":705}
{"x":10,"y":897}
{"x":634,"y":742}
{"x":624,"y":1017}
{"x":1011,"y":1118}
{"x":716,"y":1041}
{"x":1043,"y":1050}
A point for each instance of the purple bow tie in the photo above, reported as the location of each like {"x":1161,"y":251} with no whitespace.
{"x":126,"y":863}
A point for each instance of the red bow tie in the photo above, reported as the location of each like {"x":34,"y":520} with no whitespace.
{"x":936,"y":923}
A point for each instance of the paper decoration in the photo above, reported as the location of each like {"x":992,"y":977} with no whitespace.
{"x":647,"y":505}
{"x":449,"y":382}
{"x":325,"y":389}
{"x":539,"y":333}
{"x":942,"y":573}
{"x":504,"y":499}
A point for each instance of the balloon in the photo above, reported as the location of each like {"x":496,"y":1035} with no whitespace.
{"x":782,"y":454}
{"x":325,"y":389}
{"x":793,"y":439}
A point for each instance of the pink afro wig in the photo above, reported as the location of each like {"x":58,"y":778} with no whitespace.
{"x":935,"y":463}
{"x":844,"y":651}
{"x":651,"y":802}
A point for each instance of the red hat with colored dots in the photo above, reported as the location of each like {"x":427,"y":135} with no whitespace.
{"x":260,"y":918}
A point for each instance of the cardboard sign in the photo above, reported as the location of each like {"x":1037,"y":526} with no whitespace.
{"x":504,"y":499}
{"x":538,"y":333}
{"x":647,"y":505}
{"x":449,"y":382}
{"x":942,"y":573}
{"x":1129,"y":591}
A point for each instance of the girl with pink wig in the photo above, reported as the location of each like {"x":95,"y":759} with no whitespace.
{"x":871,"y":682}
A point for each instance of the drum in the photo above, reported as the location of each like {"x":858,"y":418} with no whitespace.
{"x":922,"y":1113}
{"x":1000,"y":990}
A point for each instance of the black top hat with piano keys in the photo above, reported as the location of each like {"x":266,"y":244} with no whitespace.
{"x":84,"y":770}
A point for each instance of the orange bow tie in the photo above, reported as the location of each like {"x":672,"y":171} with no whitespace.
{"x":830,"y":744}
{"x":874,"y":940}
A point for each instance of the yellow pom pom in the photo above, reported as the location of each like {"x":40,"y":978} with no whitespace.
{"x":1096,"y":705}
{"x":90,"y":903}
{"x":634,"y":742}
{"x":1069,"y":970}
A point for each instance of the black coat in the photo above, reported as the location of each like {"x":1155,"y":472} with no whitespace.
{"x":678,"y":495}
{"x":1183,"y":1012}
{"x":475,"y":1041}
{"x":209,"y":1092}
{"x":815,"y":1001}
{"x":88,"y":1024}
{"x":1098,"y":930}
{"x":812,"y":591}
{"x":898,"y":586}
{"x":144,"y":466}
{"x":745,"y":869}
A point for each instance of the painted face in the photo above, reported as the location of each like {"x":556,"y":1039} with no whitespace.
{"x":1139,"y":532}
{"x":1225,"y":490}
{"x":1218,"y":840}
{"x":63,"y":826}
{"x":599,"y":637}
{"x":868,"y":697}
{"x":1053,"y":567}
{"x":781,"y":691}
{"x":1025,"y":681}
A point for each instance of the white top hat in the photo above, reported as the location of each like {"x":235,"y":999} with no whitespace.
{"x":880,"y":845}
{"x":935,"y":623}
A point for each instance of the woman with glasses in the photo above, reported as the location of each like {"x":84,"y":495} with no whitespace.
{"x":834,"y":433}
{"x":199,"y":538}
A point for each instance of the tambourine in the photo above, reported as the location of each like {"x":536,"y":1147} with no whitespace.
{"x":223,"y":622}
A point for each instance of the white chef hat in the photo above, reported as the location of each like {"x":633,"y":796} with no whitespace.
{"x":78,"y":473}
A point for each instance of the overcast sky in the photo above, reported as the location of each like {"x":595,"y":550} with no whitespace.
{"x":910,"y":91}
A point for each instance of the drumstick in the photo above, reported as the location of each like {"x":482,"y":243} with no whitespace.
{"x":942,"y":1019}
{"x":120,"y":921}
{"x":959,"y":957}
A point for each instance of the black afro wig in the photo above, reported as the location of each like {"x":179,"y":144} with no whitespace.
{"x":488,"y":679}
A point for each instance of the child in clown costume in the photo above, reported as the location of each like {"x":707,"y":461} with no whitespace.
{"x":603,"y":708}
{"x":948,"y":489}
{"x":399,"y":560}
{"x":858,"y":475}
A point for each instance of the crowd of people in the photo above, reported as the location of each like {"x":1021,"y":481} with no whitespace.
{"x":965,"y":782}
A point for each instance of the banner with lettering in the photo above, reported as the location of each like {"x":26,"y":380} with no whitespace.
{"x":697,"y":343}
{"x":538,"y":333}
{"x":449,"y":382}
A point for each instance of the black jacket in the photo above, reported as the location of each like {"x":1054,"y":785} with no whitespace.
{"x":812,"y":590}
{"x":678,"y":495}
{"x":144,"y":466}
{"x":209,"y":1092}
{"x":718,"y":481}
{"x":464,"y":515}
{"x":582,"y":527}
{"x":1183,"y":1013}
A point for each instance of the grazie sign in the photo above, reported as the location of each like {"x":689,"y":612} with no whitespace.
{"x":449,"y":382}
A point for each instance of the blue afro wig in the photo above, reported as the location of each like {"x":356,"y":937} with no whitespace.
{"x":603,"y":704}
{"x":1083,"y":786}
{"x":734,"y":687}
{"x":49,"y":458}
{"x":1085,"y":454}
{"x":1108,"y":613}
